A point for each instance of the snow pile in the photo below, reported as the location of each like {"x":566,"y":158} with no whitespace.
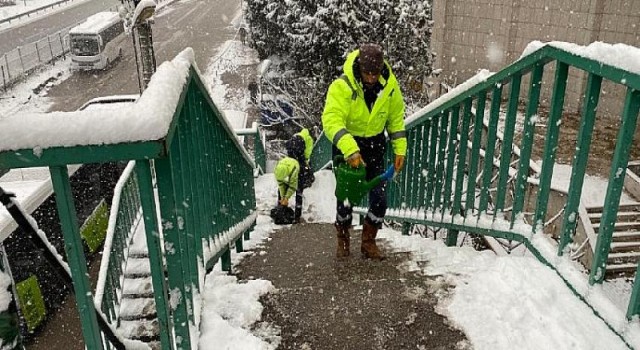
{"x":618,"y":55}
{"x":147,"y":119}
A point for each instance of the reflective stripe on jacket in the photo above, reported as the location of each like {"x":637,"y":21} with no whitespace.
{"x":286,"y":172}
{"x":346,"y":114}
{"x":308,"y":143}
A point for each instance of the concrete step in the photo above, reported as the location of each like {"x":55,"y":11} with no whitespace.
{"x":134,"y":287}
{"x":137,"y":268}
{"x":145,"y":330}
{"x":621,"y":226}
{"x":623,"y":207}
{"x":137,"y":308}
{"x":626,"y":236}
{"x":619,"y":270}
{"x":623,"y":216}
{"x":630,"y":257}
{"x":622,"y":247}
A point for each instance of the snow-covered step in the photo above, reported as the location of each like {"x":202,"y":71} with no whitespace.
{"x":616,"y":258}
{"x":623,"y":207}
{"x":621,"y":226}
{"x":139,"y":243}
{"x":617,"y":269}
{"x":138,"y":287}
{"x":619,"y":247}
{"x":137,"y":268}
{"x":137,"y":308}
{"x":624,"y":216}
{"x":140,"y":329}
{"x":626,"y":236}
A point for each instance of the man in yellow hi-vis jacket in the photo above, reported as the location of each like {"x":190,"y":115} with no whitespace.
{"x":361,"y":104}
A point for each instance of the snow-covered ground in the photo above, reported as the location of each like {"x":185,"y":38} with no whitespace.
{"x":511,"y":302}
{"x":24,"y":6}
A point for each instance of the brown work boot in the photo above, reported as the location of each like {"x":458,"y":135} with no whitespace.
{"x":369,"y":249}
{"x":343,"y":241}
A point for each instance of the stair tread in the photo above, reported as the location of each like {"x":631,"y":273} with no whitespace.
{"x":137,"y":286}
{"x":139,"y":243}
{"x":139,"y":328}
{"x":618,"y":267}
{"x":622,"y":207}
{"x":618,"y":225}
{"x":137,"y":308}
{"x":624,"y":234}
{"x":619,"y":214}
{"x":624,"y":244}
{"x":138,"y":266}
{"x":624,"y":255}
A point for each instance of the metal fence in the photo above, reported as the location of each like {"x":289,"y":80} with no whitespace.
{"x":36,"y":10}
{"x":18,"y":63}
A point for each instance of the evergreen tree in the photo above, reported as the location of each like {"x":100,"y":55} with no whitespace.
{"x":314,"y":37}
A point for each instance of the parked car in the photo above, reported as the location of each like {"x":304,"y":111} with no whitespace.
{"x":107,"y":102}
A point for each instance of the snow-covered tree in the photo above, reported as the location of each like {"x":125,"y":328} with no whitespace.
{"x":314,"y":37}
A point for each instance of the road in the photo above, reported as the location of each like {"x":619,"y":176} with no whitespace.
{"x":200,"y":24}
{"x":58,"y":19}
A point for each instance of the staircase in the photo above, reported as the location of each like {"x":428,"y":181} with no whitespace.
{"x":625,"y":244}
{"x":138,"y":317}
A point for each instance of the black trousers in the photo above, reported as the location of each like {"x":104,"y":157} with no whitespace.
{"x":372,"y":150}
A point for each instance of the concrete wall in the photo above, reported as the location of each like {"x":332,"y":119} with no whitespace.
{"x":474,"y":34}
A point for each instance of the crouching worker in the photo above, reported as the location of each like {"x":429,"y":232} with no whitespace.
{"x":287,"y":174}
{"x":302,"y":140}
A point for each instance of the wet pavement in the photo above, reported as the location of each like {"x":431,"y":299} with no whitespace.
{"x":323,"y":303}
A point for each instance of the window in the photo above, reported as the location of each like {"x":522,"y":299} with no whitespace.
{"x":112,"y":32}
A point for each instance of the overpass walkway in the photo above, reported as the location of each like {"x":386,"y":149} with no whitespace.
{"x":324,"y":303}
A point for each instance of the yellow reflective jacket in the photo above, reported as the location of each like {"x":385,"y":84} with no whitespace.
{"x":286,"y":172}
{"x":346,"y":114}
{"x":308,"y":143}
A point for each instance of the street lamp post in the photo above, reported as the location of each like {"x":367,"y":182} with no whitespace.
{"x":143,"y":41}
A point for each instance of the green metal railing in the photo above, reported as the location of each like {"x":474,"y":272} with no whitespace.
{"x":125,"y":216}
{"x":461,"y":177}
{"x":206,"y":198}
{"x":259,"y":154}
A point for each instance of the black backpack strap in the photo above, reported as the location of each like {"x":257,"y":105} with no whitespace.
{"x":354,"y":94}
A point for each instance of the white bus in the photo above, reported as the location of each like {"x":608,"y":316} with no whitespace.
{"x":97,"y":41}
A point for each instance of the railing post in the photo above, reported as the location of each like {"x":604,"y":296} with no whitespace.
{"x":21,"y":60}
{"x":4,"y":80}
{"x":478,"y":125}
{"x":527,"y":141}
{"x":487,"y":172}
{"x":154,"y":244}
{"x":177,"y":264}
{"x":64,"y":56}
{"x":38,"y":53}
{"x":580,"y":158}
{"x":507,"y":144}
{"x":549,"y":156}
{"x":6,"y":62}
{"x":634,"y":301}
{"x":53,"y":59}
{"x":616,"y":182}
{"x":75,"y":255}
{"x":452,"y":235}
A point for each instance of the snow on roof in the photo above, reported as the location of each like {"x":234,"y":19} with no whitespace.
{"x":618,"y":55}
{"x":95,"y":23}
{"x":147,"y":119}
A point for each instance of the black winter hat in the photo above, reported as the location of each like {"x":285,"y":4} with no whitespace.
{"x":371,"y":58}
{"x":295,"y":147}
